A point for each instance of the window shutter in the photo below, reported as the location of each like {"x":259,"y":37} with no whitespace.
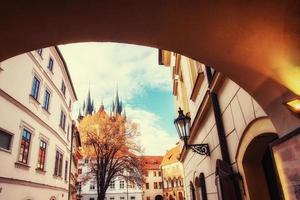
{"x":225,"y":181}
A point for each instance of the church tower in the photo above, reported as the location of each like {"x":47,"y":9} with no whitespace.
{"x":117,"y":107}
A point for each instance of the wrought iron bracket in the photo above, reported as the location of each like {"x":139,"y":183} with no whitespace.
{"x":202,"y":149}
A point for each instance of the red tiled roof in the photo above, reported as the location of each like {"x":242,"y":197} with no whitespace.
{"x":171,"y":156}
{"x":152,"y":162}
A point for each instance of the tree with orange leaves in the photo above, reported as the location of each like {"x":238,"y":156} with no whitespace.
{"x":109,"y":145}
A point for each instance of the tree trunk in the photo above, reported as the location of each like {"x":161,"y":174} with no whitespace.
{"x":101,"y":196}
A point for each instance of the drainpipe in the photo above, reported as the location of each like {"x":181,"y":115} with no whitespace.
{"x":70,"y":162}
{"x":220,"y":127}
{"x":221,"y":132}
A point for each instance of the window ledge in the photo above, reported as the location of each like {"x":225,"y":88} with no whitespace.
{"x":34,"y":99}
{"x":5,"y":150}
{"x":57,"y":177}
{"x":46,"y":111}
{"x":41,"y":171}
{"x":21,"y":165}
{"x":51,"y":71}
{"x":62,"y":129}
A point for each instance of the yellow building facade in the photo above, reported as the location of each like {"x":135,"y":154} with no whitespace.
{"x":172,"y":174}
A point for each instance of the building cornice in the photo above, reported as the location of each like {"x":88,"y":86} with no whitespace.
{"x":67,"y":71}
{"x":15,"y":102}
{"x":30,"y":184}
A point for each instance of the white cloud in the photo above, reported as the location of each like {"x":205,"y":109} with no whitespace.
{"x":153,"y":138}
{"x":101,"y":66}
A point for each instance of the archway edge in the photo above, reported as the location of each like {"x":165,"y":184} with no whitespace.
{"x":254,"y":43}
{"x":257,"y":127}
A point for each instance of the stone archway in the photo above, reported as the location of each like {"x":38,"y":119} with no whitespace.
{"x":233,"y":40}
{"x":253,"y":156}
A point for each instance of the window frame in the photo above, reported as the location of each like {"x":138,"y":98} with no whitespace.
{"x":58,"y":164}
{"x":34,"y":93}
{"x":28,"y":147}
{"x":112,"y":184}
{"x":63,"y":88}
{"x":10,"y":142}
{"x":122,"y":184}
{"x":50,"y":64}
{"x":46,"y":107}
{"x":94,"y":182}
{"x":66,"y":169}
{"x":62,"y":120}
{"x":40,"y":52}
{"x":45,"y":153}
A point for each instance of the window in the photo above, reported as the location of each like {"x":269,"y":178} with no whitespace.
{"x":68,"y":132}
{"x":5,"y":140}
{"x":155,"y":185}
{"x":160,"y":185}
{"x":147,"y":173}
{"x":122,"y":198}
{"x":148,"y":198}
{"x":112,"y":185}
{"x":24,"y":149}
{"x":35,"y":88}
{"x":86,"y":160}
{"x":92,"y":198}
{"x":63,"y":88}
{"x":92,"y":185}
{"x":154,"y":173}
{"x":66,"y":170}
{"x":58,"y":163}
{"x":112,"y":198}
{"x":62,"y":122}
{"x":40,"y":52}
{"x":147,"y":185}
{"x":121,"y":184}
{"x":42,"y":155}
{"x":79,"y":171}
{"x":159,"y":173}
{"x":46,"y":100}
{"x":50,"y":64}
{"x":132,"y":198}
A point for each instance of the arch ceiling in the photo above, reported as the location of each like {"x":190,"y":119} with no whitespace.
{"x":255,"y":43}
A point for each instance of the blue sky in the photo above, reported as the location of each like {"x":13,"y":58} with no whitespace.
{"x":143,"y":85}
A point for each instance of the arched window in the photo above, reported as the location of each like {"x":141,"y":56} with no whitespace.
{"x":192,"y":191}
{"x":202,"y":186}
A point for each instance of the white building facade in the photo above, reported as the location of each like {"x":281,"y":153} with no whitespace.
{"x":36,"y":97}
{"x":119,"y":189}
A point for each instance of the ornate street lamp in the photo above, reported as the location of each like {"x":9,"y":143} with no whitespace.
{"x":183,"y":126}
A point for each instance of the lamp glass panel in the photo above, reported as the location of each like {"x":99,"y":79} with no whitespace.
{"x":188,"y":127}
{"x":177,"y":129}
